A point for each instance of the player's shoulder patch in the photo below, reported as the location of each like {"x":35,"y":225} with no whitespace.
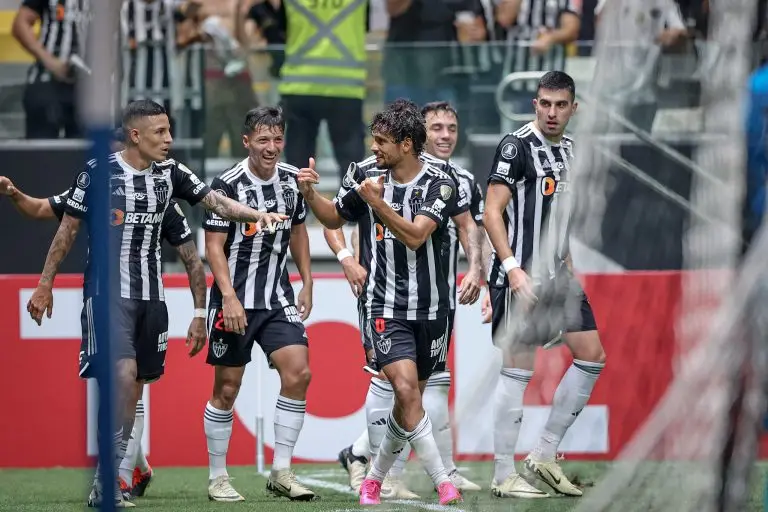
{"x":510,"y":147}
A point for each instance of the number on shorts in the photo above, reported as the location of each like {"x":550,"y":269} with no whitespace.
{"x":379,"y":325}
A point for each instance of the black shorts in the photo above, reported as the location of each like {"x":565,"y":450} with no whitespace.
{"x":272,"y":329}
{"x":423,"y":341}
{"x":562,"y":307}
{"x":139,"y":331}
{"x":365,"y":328}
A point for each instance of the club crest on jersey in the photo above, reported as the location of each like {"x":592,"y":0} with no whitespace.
{"x":219,"y":348}
{"x":416,"y":200}
{"x":161,"y":191}
{"x":289,"y":198}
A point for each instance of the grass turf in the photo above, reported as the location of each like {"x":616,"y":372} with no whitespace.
{"x":65,"y":490}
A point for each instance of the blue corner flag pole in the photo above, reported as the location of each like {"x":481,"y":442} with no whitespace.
{"x":96,"y":102}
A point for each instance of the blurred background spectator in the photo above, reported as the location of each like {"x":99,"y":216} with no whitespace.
{"x":50,"y":105}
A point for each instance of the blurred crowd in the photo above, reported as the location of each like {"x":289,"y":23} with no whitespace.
{"x":209,"y":61}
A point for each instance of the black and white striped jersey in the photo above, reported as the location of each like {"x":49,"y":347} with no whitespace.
{"x":63,"y":31}
{"x":401,"y":283}
{"x":533,"y":16}
{"x":470,"y":198}
{"x":148,"y":42}
{"x":175,"y":229}
{"x":537,"y":217}
{"x":257,"y":260}
{"x":140,"y":200}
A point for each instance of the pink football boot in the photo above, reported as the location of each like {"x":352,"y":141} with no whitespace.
{"x":370,"y":492}
{"x":447,"y":492}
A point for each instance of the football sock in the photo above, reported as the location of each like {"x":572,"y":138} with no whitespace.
{"x":435,"y":401}
{"x":289,"y":418}
{"x":378,"y":405}
{"x":391,"y":447}
{"x":423,"y":443}
{"x":218,"y":430}
{"x":507,"y":419}
{"x":361,"y":447}
{"x":398,"y":467}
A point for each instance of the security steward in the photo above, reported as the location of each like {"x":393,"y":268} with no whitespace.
{"x":323,"y":77}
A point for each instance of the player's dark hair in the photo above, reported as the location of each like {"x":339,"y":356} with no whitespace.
{"x":557,"y":81}
{"x":439,"y":106}
{"x":271,"y":117}
{"x":401,"y":120}
{"x":140,"y":109}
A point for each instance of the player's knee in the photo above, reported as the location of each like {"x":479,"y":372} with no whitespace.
{"x":225,"y":394}
{"x":298,"y":379}
{"x":407,"y":392}
{"x":127,"y":375}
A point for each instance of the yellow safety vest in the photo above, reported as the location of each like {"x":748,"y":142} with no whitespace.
{"x":325,"y":51}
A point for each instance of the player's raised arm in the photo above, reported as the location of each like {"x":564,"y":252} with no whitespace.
{"x":31,"y":207}
{"x":353,"y":271}
{"x":346,"y":206}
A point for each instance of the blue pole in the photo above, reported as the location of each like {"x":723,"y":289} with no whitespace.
{"x":102,"y":263}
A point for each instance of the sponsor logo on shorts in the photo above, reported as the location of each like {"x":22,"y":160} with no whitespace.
{"x":219,"y":348}
{"x":292,"y":314}
{"x":162,"y":342}
{"x":384,"y":344}
{"x":439,"y":348}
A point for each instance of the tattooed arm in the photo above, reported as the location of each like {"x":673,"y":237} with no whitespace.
{"x":42,"y":299}
{"x":230,"y":209}
{"x":195,"y":272}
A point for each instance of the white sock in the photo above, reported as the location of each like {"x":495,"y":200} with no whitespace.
{"x":378,"y":405}
{"x":134,"y":446}
{"x":423,"y":443}
{"x":138,"y":432}
{"x":507,"y":419}
{"x":120,"y":441}
{"x":218,"y":430}
{"x":361,"y":447}
{"x":571,"y":395}
{"x":289,"y":418}
{"x":391,"y":447}
{"x":435,"y":401}
{"x":398,"y":467}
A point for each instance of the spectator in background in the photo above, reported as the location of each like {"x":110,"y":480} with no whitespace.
{"x":418,"y":72}
{"x":647,"y":27}
{"x":268,"y":17}
{"x":533,"y":35}
{"x":49,"y":100}
{"x":323,"y":78}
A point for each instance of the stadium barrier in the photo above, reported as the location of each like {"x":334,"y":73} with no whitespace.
{"x":635,"y":312}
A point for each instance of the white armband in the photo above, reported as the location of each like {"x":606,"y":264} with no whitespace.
{"x":510,"y":264}
{"x":200,"y":313}
{"x":343,"y":254}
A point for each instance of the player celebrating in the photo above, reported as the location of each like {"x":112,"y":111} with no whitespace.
{"x":527,"y":216}
{"x":402,"y":217}
{"x":135,"y":471}
{"x":442,"y":133}
{"x":252,"y":300}
{"x":143,"y":182}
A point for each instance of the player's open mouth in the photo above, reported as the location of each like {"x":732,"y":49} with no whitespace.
{"x":445,"y":147}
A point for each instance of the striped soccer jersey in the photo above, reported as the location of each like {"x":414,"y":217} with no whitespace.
{"x":537,"y":217}
{"x":257,"y":260}
{"x":139,"y":200}
{"x":401,"y":283}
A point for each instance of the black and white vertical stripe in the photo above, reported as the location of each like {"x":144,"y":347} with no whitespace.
{"x":537,"y":216}
{"x":257,"y":261}
{"x":534,"y":15}
{"x":63,"y":33}
{"x":148,"y":42}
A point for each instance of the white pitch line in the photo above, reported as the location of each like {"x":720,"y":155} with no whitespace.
{"x":344,"y":489}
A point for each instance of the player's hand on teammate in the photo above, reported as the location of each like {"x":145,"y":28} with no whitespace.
{"x":469,"y":289}
{"x":196,"y":336}
{"x":371,"y":189}
{"x":234,"y":315}
{"x":304,"y":302}
{"x":40,"y":302}
{"x":521,"y":285}
{"x":306,"y":179}
{"x":355,"y":274}
{"x":486,"y":310}
{"x":6,"y":186}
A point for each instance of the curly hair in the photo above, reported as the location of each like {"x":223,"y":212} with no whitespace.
{"x":401,"y":120}
{"x":270,"y":117}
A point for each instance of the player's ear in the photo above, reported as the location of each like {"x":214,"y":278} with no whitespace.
{"x":245,"y":141}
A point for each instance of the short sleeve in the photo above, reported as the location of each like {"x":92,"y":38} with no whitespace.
{"x":348,"y":203}
{"x":508,"y":163}
{"x":211,"y":221}
{"x":439,"y":200}
{"x":300,"y":213}
{"x":477,"y":204}
{"x":39,"y":6}
{"x":186,"y":185}
{"x":77,"y":201}
{"x":58,"y":204}
{"x":175,"y":227}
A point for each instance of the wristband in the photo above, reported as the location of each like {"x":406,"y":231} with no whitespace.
{"x":200,"y":313}
{"x":343,"y":254}
{"x":510,"y":264}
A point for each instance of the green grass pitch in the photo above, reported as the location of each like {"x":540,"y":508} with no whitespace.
{"x":185,"y":489}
